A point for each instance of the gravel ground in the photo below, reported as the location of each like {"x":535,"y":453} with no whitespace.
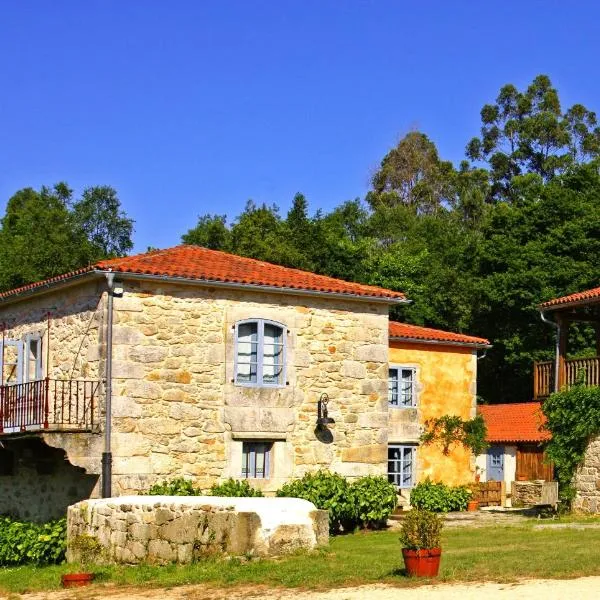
{"x":583,"y":588}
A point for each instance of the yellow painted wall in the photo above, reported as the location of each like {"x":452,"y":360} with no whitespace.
{"x":446,"y":385}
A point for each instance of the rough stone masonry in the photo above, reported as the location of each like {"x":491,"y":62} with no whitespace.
{"x":167,"y":529}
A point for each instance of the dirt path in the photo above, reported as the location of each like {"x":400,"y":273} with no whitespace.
{"x":585,"y":588}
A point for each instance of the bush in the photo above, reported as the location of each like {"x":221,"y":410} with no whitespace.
{"x":438,"y":497}
{"x":375,"y":498}
{"x":327,"y":491}
{"x":174,"y":487}
{"x":235,"y":489}
{"x":421,"y":529}
{"x":24,"y":542}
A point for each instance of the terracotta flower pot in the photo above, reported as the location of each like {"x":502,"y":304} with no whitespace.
{"x":472,"y":505}
{"x":422,"y":563}
{"x":70,"y":580}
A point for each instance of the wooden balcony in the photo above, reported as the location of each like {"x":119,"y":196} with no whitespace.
{"x":572,"y":369}
{"x":49,"y":404}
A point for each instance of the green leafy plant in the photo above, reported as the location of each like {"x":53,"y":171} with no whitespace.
{"x":174,"y":487}
{"x":573,"y":419}
{"x":235,"y":489}
{"x":421,"y":530}
{"x":328,"y":491}
{"x":452,"y":429}
{"x":24,"y":542}
{"x":439,"y":497}
{"x":375,"y":498}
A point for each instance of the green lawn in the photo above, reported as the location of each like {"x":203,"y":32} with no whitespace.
{"x":487,"y":553}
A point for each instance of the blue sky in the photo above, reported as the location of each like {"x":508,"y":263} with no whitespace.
{"x":189,"y":107}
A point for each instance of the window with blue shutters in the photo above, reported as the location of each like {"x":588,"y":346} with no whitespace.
{"x":401,"y":386}
{"x":256,"y":460}
{"x":402,"y":465}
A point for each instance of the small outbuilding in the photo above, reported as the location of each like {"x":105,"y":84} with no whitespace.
{"x":516,"y":439}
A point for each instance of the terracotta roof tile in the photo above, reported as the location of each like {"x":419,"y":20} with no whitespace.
{"x":514,"y":422}
{"x":202,"y":264}
{"x":573,"y":298}
{"x":415,"y":332}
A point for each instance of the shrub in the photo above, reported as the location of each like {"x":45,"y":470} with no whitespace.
{"x":421,"y":529}
{"x":375,"y":499}
{"x":25,"y":542}
{"x":175,"y":487}
{"x":438,"y":497}
{"x":235,"y":489}
{"x":328,"y":491}
{"x":573,"y":418}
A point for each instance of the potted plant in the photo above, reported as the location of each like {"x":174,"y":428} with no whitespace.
{"x":420,"y":538}
{"x":473,"y":502}
{"x":86,"y":549}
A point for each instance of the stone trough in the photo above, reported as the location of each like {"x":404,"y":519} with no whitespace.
{"x":165,"y":529}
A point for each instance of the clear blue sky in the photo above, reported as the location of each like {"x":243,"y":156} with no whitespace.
{"x":195,"y":107}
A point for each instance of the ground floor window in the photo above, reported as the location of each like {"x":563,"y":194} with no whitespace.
{"x":256,"y":460}
{"x":401,"y":465}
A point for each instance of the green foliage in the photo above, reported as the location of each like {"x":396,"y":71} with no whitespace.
{"x":327,"y":491}
{"x":46,"y":233}
{"x":87,"y":548}
{"x":421,"y":530}
{"x":528,"y":133}
{"x":451,"y":429}
{"x":376,"y":499}
{"x":235,"y":489}
{"x":24,"y":542}
{"x":174,"y":487}
{"x":573,"y":418}
{"x":439,"y":497}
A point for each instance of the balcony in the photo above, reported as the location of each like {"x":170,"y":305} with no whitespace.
{"x":49,"y":404}
{"x":571,"y":370}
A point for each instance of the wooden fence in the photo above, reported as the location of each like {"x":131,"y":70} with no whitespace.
{"x":490,"y":493}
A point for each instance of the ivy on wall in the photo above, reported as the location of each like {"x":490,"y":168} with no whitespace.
{"x":573,"y":419}
{"x":449,"y":430}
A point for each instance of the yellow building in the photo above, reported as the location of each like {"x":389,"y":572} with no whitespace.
{"x":432,"y":373}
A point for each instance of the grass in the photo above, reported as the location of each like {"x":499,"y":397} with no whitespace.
{"x":469,"y":554}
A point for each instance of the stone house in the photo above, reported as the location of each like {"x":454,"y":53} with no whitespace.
{"x":197,"y":363}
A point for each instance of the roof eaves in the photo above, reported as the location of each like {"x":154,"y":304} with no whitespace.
{"x":416,"y":340}
{"x":258,"y":287}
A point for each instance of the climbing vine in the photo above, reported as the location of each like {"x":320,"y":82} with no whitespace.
{"x":451,"y":429}
{"x":573,"y":419}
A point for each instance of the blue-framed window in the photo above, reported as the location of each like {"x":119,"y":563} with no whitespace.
{"x":401,"y":386}
{"x":259,"y":353}
{"x":256,"y":460}
{"x":402,"y":462}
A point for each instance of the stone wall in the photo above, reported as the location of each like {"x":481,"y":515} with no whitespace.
{"x":526,"y":493}
{"x":587,"y":480}
{"x":39,"y":484}
{"x":446,"y":384}
{"x":176,"y":411}
{"x":162,"y":529}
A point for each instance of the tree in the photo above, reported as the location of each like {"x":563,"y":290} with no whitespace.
{"x":211,"y":232}
{"x":107,"y":228}
{"x":44,"y":233}
{"x":528,"y":133}
{"x":413,"y":175}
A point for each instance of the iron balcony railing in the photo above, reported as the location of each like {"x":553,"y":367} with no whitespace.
{"x":56,"y":404}
{"x":588,"y":369}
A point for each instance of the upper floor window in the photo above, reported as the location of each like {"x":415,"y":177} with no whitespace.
{"x":259,"y":353}
{"x":21,"y":360}
{"x":401,"y":387}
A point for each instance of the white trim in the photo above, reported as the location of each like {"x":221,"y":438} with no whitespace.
{"x":414,"y":398}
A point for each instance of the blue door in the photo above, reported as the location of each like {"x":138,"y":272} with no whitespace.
{"x":495,"y":463}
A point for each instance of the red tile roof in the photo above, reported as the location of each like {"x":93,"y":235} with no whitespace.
{"x":201,"y":264}
{"x":404,"y":331}
{"x":514,"y":422}
{"x":592,"y":294}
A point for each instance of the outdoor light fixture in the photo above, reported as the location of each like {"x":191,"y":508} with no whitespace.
{"x":323,"y":419}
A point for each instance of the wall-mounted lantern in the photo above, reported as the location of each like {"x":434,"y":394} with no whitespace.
{"x":323,"y":418}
